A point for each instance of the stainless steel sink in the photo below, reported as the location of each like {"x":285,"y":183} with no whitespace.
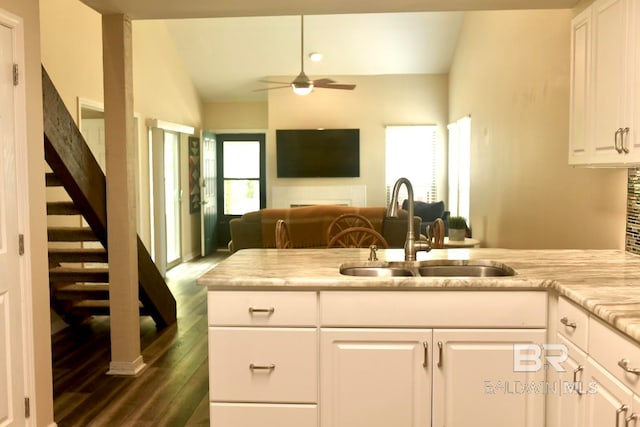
{"x":428,"y":268}
{"x":374,"y":271}
{"x":469,"y":270}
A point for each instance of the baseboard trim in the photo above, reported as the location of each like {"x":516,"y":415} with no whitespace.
{"x":129,"y":369}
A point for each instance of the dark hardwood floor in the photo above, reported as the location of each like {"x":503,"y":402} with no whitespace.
{"x":173,"y":390}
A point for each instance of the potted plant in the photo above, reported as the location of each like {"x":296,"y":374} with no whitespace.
{"x":457,"y":228}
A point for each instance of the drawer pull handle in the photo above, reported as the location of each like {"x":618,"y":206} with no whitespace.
{"x":439,"y":354}
{"x":620,"y":410}
{"x":565,"y":322}
{"x":630,"y":418}
{"x":425,"y":359}
{"x":269,"y":311}
{"x":624,"y":364}
{"x":575,"y":380}
{"x":269,"y":367}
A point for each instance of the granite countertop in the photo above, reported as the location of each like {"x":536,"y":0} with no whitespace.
{"x":604,"y":282}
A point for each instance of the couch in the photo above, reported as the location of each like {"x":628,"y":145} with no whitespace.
{"x":429,"y":212}
{"x":308,"y":226}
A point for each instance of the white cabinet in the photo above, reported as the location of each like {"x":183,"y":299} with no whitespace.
{"x":375,"y":377}
{"x":601,"y":384}
{"x":608,"y":401}
{"x":568,"y":388}
{"x":475,"y":383}
{"x":603,"y":110}
{"x":263,"y":359}
{"x":368,"y":358}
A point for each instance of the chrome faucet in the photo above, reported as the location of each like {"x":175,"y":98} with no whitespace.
{"x":411,"y":245}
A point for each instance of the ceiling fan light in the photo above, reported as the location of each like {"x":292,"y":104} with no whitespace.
{"x":315,"y":56}
{"x":302,"y":89}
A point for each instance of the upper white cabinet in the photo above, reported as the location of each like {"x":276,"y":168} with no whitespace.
{"x":604,"y":96}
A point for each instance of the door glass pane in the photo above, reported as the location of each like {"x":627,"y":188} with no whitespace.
{"x":172,"y":195}
{"x":241,"y":159}
{"x":241,"y":196}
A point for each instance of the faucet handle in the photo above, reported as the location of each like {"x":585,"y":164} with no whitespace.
{"x":373,"y":256}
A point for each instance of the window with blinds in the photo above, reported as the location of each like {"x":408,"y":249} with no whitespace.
{"x":460,"y":167}
{"x":411,"y":153}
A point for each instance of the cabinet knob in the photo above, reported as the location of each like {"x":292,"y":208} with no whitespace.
{"x":565,"y":321}
{"x":269,"y":367}
{"x":615,"y":140}
{"x":620,"y":410}
{"x":268,"y":311}
{"x":624,"y":364}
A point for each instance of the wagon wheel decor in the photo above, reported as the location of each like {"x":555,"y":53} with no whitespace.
{"x":283,"y":239}
{"x":357,"y":237}
{"x":345,"y":221}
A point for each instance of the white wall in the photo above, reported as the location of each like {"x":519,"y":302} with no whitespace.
{"x":376,"y":101}
{"x":511,"y":73}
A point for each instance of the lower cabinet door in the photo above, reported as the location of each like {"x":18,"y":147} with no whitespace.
{"x":608,"y":401}
{"x":477,"y":380}
{"x":566,"y":394}
{"x":262,"y":415}
{"x":375,"y":377}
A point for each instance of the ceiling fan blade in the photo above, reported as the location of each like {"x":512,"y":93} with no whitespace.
{"x":275,"y":83}
{"x":322,"y":82}
{"x":269,"y":88}
{"x":337,"y":86}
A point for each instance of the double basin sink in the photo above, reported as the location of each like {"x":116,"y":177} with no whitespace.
{"x":427,"y":268}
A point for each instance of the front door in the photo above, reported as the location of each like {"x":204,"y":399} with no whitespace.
{"x":242,"y":185}
{"x":209,"y":213}
{"x":12,"y":390}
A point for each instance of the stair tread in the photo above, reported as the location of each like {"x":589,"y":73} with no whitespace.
{"x":77,"y":251}
{"x":96,"y":270}
{"x":52,"y":180}
{"x":94,"y":303}
{"x":70,"y":234}
{"x":77,"y":287}
{"x":62,"y":208}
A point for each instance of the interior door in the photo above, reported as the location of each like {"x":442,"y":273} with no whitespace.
{"x":209,"y":210}
{"x":11,"y":346}
{"x":241,"y":183}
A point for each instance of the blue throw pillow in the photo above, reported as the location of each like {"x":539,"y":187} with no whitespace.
{"x":426,"y":211}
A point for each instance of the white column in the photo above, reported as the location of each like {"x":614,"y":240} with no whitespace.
{"x":126,"y":358}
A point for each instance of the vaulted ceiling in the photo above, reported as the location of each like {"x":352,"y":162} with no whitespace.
{"x":228,"y":47}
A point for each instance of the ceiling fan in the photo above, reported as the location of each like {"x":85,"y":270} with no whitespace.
{"x":302,"y":84}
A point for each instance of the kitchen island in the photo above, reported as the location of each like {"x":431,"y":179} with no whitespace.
{"x":339,"y":335}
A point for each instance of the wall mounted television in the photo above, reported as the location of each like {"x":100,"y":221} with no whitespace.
{"x":318,"y":153}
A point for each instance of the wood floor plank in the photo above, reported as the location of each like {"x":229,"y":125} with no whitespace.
{"x":172,"y":391}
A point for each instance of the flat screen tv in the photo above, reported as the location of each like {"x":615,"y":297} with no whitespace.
{"x":318,"y":153}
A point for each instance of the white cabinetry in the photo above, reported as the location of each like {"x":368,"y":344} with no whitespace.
{"x":368,"y":358}
{"x":263,"y":359}
{"x":604,"y":101}
{"x":474,"y":380}
{"x":375,"y":377}
{"x":604,"y":367}
{"x":390,"y":368}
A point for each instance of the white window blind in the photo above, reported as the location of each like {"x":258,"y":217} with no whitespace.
{"x":460,"y":167}
{"x":411,"y":153}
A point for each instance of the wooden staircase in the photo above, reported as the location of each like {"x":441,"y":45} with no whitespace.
{"x":78,"y":253}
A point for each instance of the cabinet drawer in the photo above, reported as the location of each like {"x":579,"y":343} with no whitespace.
{"x":572,"y":323}
{"x":262,"y":308}
{"x":259,"y":414}
{"x":473,"y":309}
{"x":609,"y":348}
{"x":263,"y":365}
